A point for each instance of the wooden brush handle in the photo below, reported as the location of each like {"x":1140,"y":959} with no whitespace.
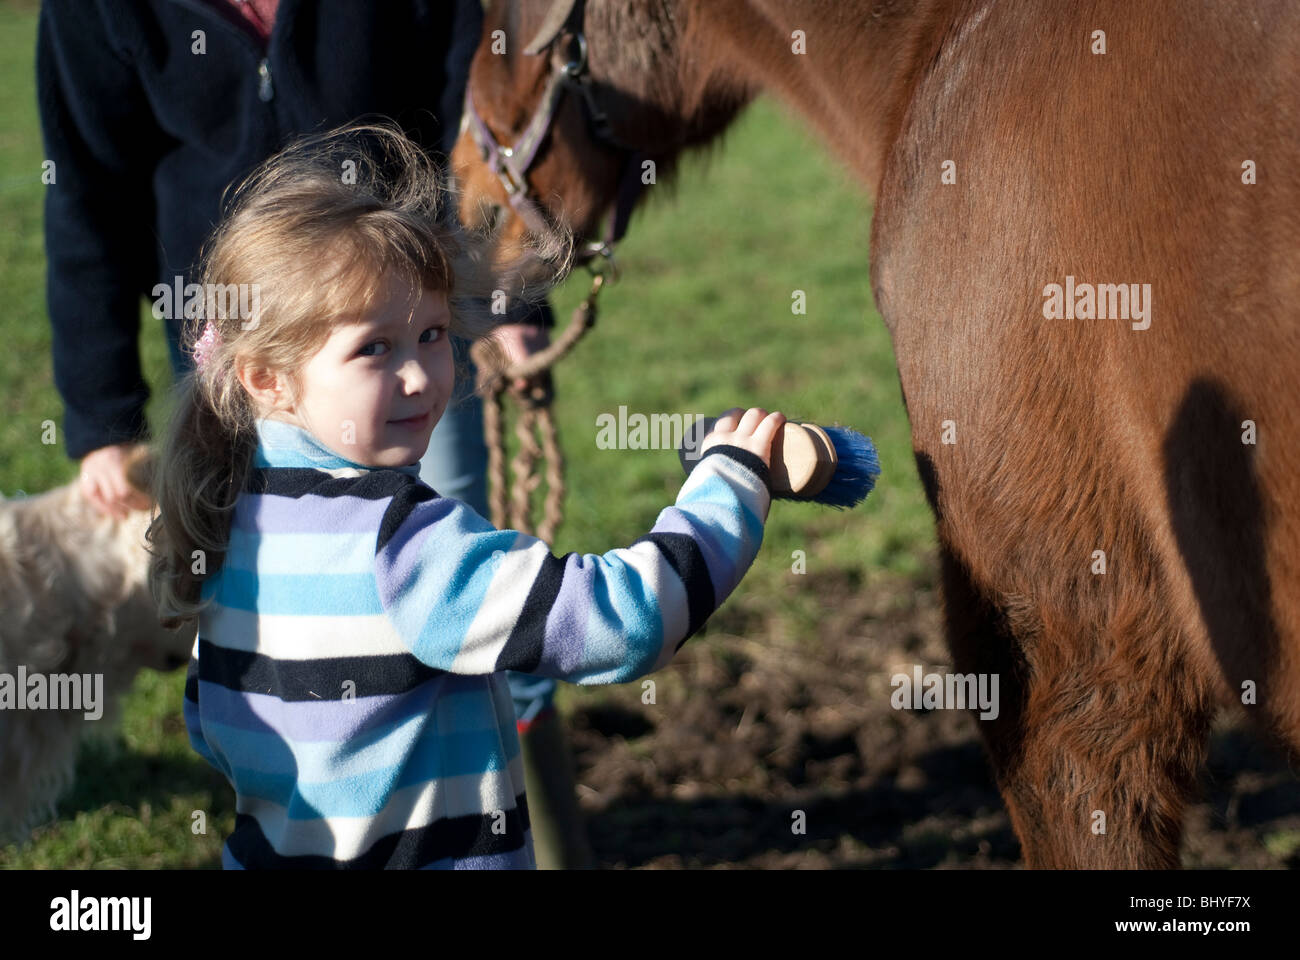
{"x":802,"y":463}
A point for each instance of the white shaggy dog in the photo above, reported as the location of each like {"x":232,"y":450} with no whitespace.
{"x":74,"y":599}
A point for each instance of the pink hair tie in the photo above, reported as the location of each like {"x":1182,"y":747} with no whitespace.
{"x":205,"y":345}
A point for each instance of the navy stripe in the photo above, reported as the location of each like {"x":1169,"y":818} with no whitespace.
{"x":458,"y":837}
{"x":317,"y":679}
{"x":684,"y":556}
{"x":523,"y":648}
{"x":299,"y":481}
{"x":405,"y":497}
{"x":192,"y":681}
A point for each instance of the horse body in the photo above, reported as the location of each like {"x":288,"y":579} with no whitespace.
{"x":1111,"y":547}
{"x":1080,"y":435}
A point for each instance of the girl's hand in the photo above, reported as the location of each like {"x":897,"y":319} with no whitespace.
{"x":753,"y":431}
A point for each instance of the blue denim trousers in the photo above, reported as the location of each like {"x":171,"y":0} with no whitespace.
{"x":456,"y":466}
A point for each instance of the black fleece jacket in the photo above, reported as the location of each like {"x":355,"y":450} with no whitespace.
{"x":146,"y":133}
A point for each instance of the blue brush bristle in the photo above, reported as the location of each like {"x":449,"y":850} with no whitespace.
{"x":856,"y":473}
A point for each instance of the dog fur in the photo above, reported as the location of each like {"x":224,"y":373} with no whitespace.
{"x":75,"y":598}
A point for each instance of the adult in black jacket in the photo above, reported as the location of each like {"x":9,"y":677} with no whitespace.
{"x":149,"y":110}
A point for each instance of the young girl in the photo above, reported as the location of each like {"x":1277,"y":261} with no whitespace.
{"x":353,"y":625}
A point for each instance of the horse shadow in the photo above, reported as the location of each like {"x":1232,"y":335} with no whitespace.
{"x":1219,"y":521}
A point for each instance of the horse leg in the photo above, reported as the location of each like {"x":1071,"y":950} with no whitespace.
{"x":1099,"y":736}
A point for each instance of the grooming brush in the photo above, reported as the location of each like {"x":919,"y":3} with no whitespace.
{"x":834,"y":466}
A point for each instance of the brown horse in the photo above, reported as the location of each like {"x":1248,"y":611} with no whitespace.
{"x":1086,"y":248}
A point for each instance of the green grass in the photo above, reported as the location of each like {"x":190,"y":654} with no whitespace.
{"x":1283,"y":843}
{"x":700,"y":322}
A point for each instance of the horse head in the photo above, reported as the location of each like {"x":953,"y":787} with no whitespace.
{"x":573,"y":107}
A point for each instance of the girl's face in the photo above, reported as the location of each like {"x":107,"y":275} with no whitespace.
{"x":377,"y":387}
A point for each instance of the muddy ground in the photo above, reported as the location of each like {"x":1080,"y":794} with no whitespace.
{"x":750,"y":725}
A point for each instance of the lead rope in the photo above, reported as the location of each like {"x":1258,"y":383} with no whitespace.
{"x":534,"y":419}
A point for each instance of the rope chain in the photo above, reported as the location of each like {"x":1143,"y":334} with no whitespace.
{"x":534,"y":420}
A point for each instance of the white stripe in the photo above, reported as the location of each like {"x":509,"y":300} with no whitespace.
{"x":344,"y":472}
{"x":410,"y":808}
{"x":292,"y":637}
{"x":502,"y":604}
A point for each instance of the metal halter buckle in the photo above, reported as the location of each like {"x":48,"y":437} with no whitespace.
{"x":575,"y":68}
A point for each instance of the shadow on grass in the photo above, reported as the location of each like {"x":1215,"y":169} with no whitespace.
{"x":113,"y":775}
{"x":124,"y":776}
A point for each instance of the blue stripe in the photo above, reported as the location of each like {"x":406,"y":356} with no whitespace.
{"x":194,"y":727}
{"x":364,"y":793}
{"x":453,"y":574}
{"x":624,"y":625}
{"x":311,"y":594}
{"x":279,"y":553}
{"x":719,"y":492}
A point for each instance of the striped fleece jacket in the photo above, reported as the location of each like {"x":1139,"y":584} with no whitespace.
{"x":347,"y":676}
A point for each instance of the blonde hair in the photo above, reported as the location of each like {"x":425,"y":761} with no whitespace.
{"x":314,"y":230}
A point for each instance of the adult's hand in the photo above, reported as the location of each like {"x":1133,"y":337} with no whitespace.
{"x":521,"y":340}
{"x":103,"y":482}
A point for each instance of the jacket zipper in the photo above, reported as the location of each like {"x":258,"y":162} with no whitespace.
{"x":264,"y":89}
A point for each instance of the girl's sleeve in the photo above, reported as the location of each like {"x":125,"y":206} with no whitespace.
{"x":193,"y":720}
{"x":468,"y":598}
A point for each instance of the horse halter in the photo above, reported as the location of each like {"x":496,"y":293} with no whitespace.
{"x":511,"y":163}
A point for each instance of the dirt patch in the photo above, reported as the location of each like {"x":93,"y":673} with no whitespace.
{"x":754,"y":730}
